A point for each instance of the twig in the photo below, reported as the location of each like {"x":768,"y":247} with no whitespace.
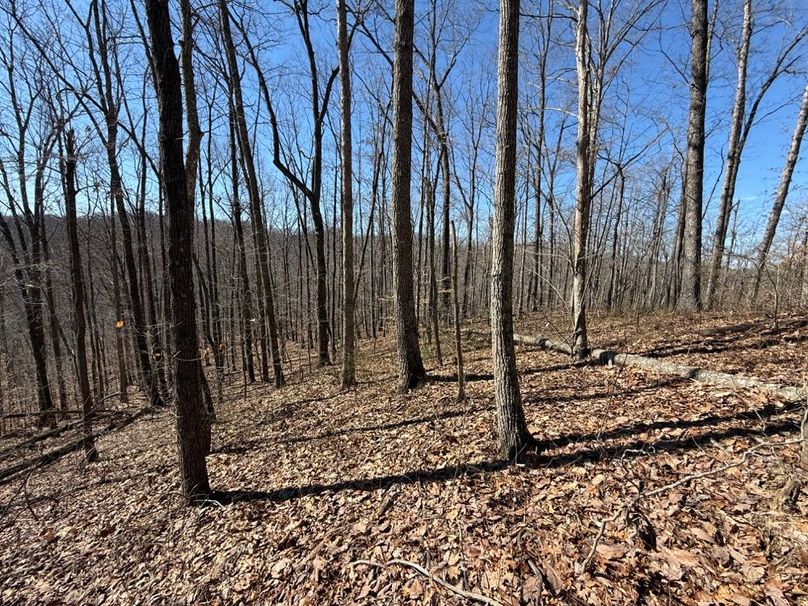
{"x":591,"y":555}
{"x":469,"y":595}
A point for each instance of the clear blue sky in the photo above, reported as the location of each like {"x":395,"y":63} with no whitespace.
{"x":651,"y":88}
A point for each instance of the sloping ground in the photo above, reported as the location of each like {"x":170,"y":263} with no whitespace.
{"x":769,"y":349}
{"x":312,"y":481}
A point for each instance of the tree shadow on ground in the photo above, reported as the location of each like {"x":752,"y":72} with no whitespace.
{"x":760,"y":413}
{"x":720,"y":346}
{"x":624,"y":450}
{"x":724,"y":336}
{"x":471,"y":376}
{"x":449,"y":414}
{"x":604,"y":395}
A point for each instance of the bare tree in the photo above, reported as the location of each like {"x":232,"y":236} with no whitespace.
{"x":192,"y":154}
{"x":740,"y":127}
{"x":192,"y":425}
{"x":256,"y":207}
{"x":241,"y":250}
{"x":25,"y":243}
{"x":583,"y":185}
{"x":411,"y":367}
{"x":461,"y":379}
{"x":311,"y":190}
{"x":512,"y":428}
{"x":782,"y":192}
{"x":77,"y":276}
{"x":348,"y":329}
{"x":690,"y":298}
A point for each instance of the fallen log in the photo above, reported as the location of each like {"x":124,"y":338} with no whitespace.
{"x":788,"y":393}
{"x":38,"y":438}
{"x":540,"y":342}
{"x":8,"y":474}
{"x":544,"y":343}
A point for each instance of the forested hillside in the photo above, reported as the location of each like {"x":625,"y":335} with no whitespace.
{"x":385,"y":302}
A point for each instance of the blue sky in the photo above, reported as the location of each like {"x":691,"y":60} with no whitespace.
{"x":650,"y":88}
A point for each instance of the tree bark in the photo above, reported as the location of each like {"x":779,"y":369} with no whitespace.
{"x":512,"y":428}
{"x":411,"y":366}
{"x":348,"y":330}
{"x":690,"y":298}
{"x":583,"y":186}
{"x":722,"y":379}
{"x":76,"y":272}
{"x":192,"y":425}
{"x":189,"y":90}
{"x":782,"y":192}
{"x":734,"y":149}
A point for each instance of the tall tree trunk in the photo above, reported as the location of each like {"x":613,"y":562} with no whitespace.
{"x":148,"y":380}
{"x":512,"y":428}
{"x":256,"y":207}
{"x":76,"y":273}
{"x":583,"y":187}
{"x":348,"y":330}
{"x":32,"y":304}
{"x":782,"y":192}
{"x":97,"y":367}
{"x":313,"y":189}
{"x":433,"y":280}
{"x":663,"y":197}
{"x":734,"y":149}
{"x":120,"y":323}
{"x":111,"y":109}
{"x":244,"y":274}
{"x":192,"y":164}
{"x":189,"y":90}
{"x":690,"y":298}
{"x":262,"y":314}
{"x":445,"y":264}
{"x":148,"y":284}
{"x":55,"y":329}
{"x":334,"y":256}
{"x":411,"y":367}
{"x":674,"y":289}
{"x":613,"y":257}
{"x":217,"y":342}
{"x":5,"y":359}
{"x":461,"y":379}
{"x":803,"y":280}
{"x":193,"y":430}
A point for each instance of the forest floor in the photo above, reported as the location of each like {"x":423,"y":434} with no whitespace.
{"x":319,"y":490}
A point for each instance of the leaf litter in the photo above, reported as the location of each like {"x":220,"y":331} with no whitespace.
{"x":312,"y":481}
